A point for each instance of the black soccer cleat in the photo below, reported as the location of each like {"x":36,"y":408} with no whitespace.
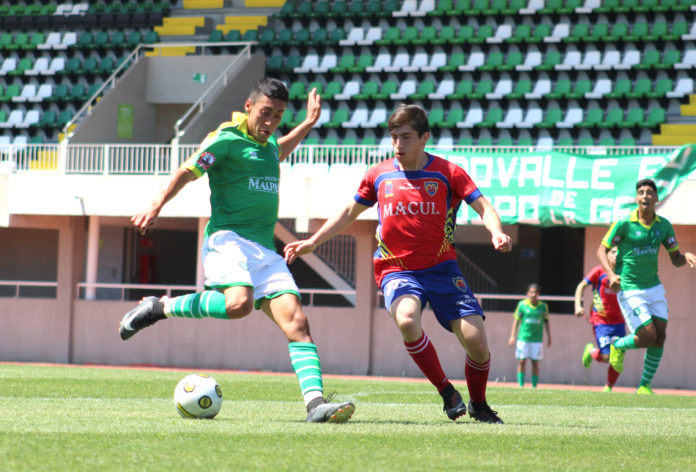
{"x":147,"y":313}
{"x":454,"y":405}
{"x":483,"y":413}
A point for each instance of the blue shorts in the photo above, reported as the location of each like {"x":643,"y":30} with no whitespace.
{"x":443,"y":286}
{"x":604,"y":333}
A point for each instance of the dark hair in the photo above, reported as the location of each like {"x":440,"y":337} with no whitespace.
{"x":270,"y":87}
{"x":411,"y":115}
{"x":649,"y":182}
{"x":535,"y":286}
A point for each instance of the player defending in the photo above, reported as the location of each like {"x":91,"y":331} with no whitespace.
{"x":242,"y":269}
{"x":605,"y":317}
{"x":418,"y":196}
{"x":529,"y":320}
{"x":639,"y":291}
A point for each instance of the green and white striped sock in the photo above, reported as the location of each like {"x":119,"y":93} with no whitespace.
{"x":650,"y":364}
{"x":207,"y":304}
{"x":307,"y":366}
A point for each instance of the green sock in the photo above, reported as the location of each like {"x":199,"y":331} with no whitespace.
{"x":520,"y":378}
{"x":627,"y":342}
{"x":208,"y":304}
{"x":307,"y":366}
{"x":535,"y":380}
{"x":650,"y":364}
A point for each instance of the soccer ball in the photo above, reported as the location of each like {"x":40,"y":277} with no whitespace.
{"x":198,"y":396}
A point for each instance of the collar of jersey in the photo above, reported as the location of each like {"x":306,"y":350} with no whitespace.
{"x":427,"y":163}
{"x":239,"y":121}
{"x":634,"y":219}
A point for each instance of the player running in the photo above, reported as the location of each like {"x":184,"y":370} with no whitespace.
{"x":530,"y":320}
{"x":418,"y":196}
{"x":639,"y":291}
{"x":242,"y":269}
{"x":605,"y":317}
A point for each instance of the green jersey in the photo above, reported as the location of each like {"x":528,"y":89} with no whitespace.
{"x":532,"y":319}
{"x":243,"y":175}
{"x":638,"y":246}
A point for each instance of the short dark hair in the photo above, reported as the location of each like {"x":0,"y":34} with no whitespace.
{"x":271,"y":88}
{"x":649,"y":182}
{"x":411,"y":115}
{"x":534,"y":286}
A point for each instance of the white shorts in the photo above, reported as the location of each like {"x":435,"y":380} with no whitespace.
{"x":229,"y":260}
{"x":529,"y":350}
{"x":639,"y":306}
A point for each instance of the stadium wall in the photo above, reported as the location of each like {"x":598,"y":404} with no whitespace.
{"x":360,"y":340}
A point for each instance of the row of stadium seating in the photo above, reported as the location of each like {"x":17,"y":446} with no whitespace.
{"x":61,"y":40}
{"x":533,"y":65}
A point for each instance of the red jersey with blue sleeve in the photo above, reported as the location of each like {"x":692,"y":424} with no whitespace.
{"x":605,"y":307}
{"x":417,"y":212}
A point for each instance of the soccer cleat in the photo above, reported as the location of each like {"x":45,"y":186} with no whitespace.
{"x":645,"y":390}
{"x":454,"y":405}
{"x":482,"y":412}
{"x":616,"y":358}
{"x":607,"y":389}
{"x":331,"y":413}
{"x":587,"y":355}
{"x":147,"y":313}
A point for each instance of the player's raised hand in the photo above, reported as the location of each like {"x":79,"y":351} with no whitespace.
{"x":690,"y":259}
{"x":296,"y":249}
{"x":502,"y":242}
{"x":145,"y":220}
{"x":313,"y":106}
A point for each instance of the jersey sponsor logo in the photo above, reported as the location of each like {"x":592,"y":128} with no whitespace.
{"x":408,"y":186}
{"x":460,"y":283}
{"x":431,"y":188}
{"x":263,"y":184}
{"x":645,"y":251}
{"x":388,"y":188}
{"x":206,"y":160}
{"x":409,"y":208}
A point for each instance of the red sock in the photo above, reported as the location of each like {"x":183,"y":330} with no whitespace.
{"x":612,"y":375}
{"x":477,"y":378}
{"x":424,"y":355}
{"x":596,"y":355}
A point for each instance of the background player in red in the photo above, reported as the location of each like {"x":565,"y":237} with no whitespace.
{"x":418,"y":196}
{"x":605,"y":317}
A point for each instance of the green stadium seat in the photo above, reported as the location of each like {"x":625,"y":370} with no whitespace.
{"x":641,"y":88}
{"x":628,"y":6}
{"x":551,"y":117}
{"x":522,"y":87}
{"x":613,"y":118}
{"x":512,"y":60}
{"x":456,"y":59}
{"x":6,"y":40}
{"x":338,"y":117}
{"x":622,"y":87}
{"x":390,"y":36}
{"x":409,"y":35}
{"x":454,"y":116}
{"x":541,"y":32}
{"x":77,"y":93}
{"x":520,"y":34}
{"x":493,"y":115}
{"x":446,"y":35}
{"x":656,"y":116}
{"x":494,"y":61}
{"x":678,"y":29}
{"x":297,"y":90}
{"x":550,"y":7}
{"x":338,"y":9}
{"x":647,"y":6}
{"x":287,"y":10}
{"x":436,"y":116}
{"x":561,"y":89}
{"x":483,"y":87}
{"x":425,"y":88}
{"x":23,"y":65}
{"x":582,"y":86}
{"x":593,"y":118}
{"x":345,"y":62}
{"x":483,"y":33}
{"x":671,"y":57}
{"x":319,"y":37}
{"x":463,"y":90}
{"x":443,"y":8}
{"x":640,"y":30}
{"x":598,"y":32}
{"x":267,"y":37}
{"x":460,"y":7}
{"x":619,"y":31}
{"x":427,"y":36}
{"x":388,"y":88}
{"x":650,"y":60}
{"x":369,"y":90}
{"x":332,"y":89}
{"x":364,"y":61}
{"x":552,"y":58}
{"x":321,"y":9}
{"x":658,"y":31}
{"x":21,"y":41}
{"x":274,"y":63}
{"x":48,"y":119}
{"x":663,"y":86}
{"x":36,"y":39}
{"x":608,"y":6}
{"x":578,"y":33}
{"x":465,"y":35}
{"x":634,"y":117}
{"x":569,"y":6}
{"x":478,"y":7}
{"x":12,"y":90}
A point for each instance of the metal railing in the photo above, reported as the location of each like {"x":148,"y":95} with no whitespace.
{"x":155,"y":159}
{"x":15,"y":288}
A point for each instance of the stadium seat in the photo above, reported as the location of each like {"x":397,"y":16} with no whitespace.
{"x":502,"y":33}
{"x":541,"y":88}
{"x":350,"y":88}
{"x":631,"y":58}
{"x":492,"y":116}
{"x":532,"y":59}
{"x":483,"y":86}
{"x":572,"y":58}
{"x":418,"y":61}
{"x":614,"y":115}
{"x":406,"y":88}
{"x":44,"y":91}
{"x":683,"y":87}
{"x":602,"y":86}
{"x":28,"y":92}
{"x":39,"y":66}
{"x":502,"y":88}
{"x":610,"y":59}
{"x":455,"y":115}
{"x":437,"y":60}
{"x":592,"y":118}
{"x":533,"y":115}
{"x":553,"y":115}
{"x":377,"y":116}
{"x":521,"y":89}
{"x":622,"y":86}
{"x":474,"y":115}
{"x":389,"y":87}
{"x":381,"y":62}
{"x":476,"y":59}
{"x":513,"y":116}
{"x":369,"y":89}
{"x":689,"y":59}
{"x":425,"y":88}
{"x":573,"y":116}
{"x":358,"y":116}
{"x":444,"y":88}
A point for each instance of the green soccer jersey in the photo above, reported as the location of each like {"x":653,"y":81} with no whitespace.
{"x":638,"y":246}
{"x":243,"y":175}
{"x":532,"y":319}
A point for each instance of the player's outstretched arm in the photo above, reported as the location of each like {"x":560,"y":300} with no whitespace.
{"x":147,"y":218}
{"x":513,"y":332}
{"x":679,"y":259}
{"x":290,"y":141}
{"x":328,"y":230}
{"x":491,"y":221}
{"x":579,"y":310}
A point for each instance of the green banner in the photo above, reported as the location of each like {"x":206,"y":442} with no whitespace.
{"x":550,"y":188}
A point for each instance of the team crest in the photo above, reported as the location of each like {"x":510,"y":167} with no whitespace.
{"x":460,"y":283}
{"x":616,"y":240}
{"x":388,"y":188}
{"x":431,"y":188}
{"x":206,"y":160}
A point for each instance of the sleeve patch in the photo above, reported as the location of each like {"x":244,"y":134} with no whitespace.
{"x":205,"y":160}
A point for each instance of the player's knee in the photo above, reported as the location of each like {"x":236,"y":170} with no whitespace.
{"x":239,"y":307}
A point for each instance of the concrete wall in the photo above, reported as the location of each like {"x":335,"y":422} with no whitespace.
{"x":160,"y":90}
{"x":361,"y":340}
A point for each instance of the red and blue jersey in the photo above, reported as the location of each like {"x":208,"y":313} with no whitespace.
{"x":417,"y":212}
{"x":605,"y":307}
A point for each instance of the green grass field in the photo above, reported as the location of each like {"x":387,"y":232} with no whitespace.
{"x":94,"y":419}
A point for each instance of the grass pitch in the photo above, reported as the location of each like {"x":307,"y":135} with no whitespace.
{"x":95,"y":419}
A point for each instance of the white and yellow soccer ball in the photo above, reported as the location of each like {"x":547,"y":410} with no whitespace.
{"x":198,"y":396}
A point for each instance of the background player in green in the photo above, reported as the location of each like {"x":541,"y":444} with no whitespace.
{"x":242,"y":269}
{"x":640,"y":294}
{"x":527,"y":335}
